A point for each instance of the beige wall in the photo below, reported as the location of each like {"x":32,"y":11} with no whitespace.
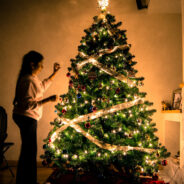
{"x":55,"y":28}
{"x":182,"y":7}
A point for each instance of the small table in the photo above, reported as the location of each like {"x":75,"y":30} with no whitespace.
{"x":175,"y":115}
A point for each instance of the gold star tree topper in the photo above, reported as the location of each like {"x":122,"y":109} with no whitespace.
{"x":103,"y":4}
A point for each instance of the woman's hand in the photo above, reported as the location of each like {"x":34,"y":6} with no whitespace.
{"x":56,"y":67}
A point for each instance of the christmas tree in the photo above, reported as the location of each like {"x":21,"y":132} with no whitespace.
{"x":104,"y":124}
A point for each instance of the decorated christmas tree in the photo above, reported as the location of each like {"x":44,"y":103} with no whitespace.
{"x":103,"y":123}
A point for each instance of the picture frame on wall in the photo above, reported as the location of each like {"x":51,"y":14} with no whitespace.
{"x":177,"y":99}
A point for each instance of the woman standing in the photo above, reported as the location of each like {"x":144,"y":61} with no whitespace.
{"x":27,"y":111}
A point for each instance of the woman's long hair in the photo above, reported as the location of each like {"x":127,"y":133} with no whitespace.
{"x":30,"y":58}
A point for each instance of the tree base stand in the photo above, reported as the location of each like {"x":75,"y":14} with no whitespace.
{"x":57,"y":177}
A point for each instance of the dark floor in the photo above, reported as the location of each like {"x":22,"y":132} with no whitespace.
{"x":6,"y":177}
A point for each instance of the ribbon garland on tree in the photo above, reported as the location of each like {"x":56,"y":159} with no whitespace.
{"x":93,"y":60}
{"x":74,"y":124}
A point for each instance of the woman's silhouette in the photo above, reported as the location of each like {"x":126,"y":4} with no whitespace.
{"x":27,"y":111}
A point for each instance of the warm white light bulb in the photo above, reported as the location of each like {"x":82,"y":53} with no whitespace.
{"x":113,"y":131}
{"x":124,"y":115}
{"x":106,"y":135}
{"x":52,"y":146}
{"x":58,"y":152}
{"x":65,"y":155}
{"x":99,"y":154}
{"x":53,"y":137}
{"x":140,"y":144}
{"x":126,"y":133}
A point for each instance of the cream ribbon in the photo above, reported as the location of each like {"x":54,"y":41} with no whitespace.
{"x":74,"y":124}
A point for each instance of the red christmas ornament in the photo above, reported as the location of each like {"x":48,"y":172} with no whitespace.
{"x":83,"y":87}
{"x":63,"y":111}
{"x":164,"y":162}
{"x":94,"y":109}
{"x":60,"y":99}
{"x":50,"y":140}
{"x":88,"y":125}
{"x":68,"y":74}
{"x":71,"y":83}
{"x":117,"y":90}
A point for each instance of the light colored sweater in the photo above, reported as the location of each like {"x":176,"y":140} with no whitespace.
{"x":29,"y":92}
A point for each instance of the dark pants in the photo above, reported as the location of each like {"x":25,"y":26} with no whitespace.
{"x":27,"y":165}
